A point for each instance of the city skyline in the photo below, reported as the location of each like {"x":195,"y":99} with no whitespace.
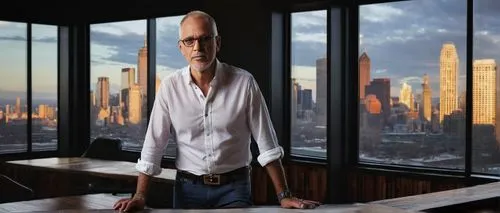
{"x":385,"y":28}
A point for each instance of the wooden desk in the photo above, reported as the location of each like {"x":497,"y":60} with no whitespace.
{"x":444,"y":198}
{"x":105,"y":168}
{"x":103,"y":203}
{"x":94,"y":201}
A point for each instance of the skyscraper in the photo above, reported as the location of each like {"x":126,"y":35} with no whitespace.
{"x":484,"y":92}
{"x":448,"y":75}
{"x":135,"y":103}
{"x":128,"y":77}
{"x":142,"y":67}
{"x":364,"y":74}
{"x":405,"y":96}
{"x":321,"y":92}
{"x":426,"y":99}
{"x":18,"y":107}
{"x":102,"y":95}
{"x":293,"y":104}
{"x":381,"y":88}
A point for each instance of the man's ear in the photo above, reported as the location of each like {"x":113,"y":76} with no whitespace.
{"x":218,"y":42}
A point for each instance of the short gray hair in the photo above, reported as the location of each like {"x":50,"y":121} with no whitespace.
{"x":199,"y":13}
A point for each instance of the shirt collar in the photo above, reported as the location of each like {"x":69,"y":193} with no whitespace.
{"x":217,"y":76}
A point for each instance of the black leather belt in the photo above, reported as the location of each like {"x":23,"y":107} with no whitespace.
{"x":216,"y":179}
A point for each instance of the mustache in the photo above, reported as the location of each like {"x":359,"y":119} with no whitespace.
{"x":199,"y":55}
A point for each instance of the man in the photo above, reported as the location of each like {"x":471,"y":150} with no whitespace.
{"x":214,"y":108}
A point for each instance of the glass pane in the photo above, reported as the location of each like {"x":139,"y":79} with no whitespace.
{"x":168,"y":59}
{"x":485,"y":88}
{"x":411,"y":76}
{"x":13,"y":108}
{"x":118,"y":82}
{"x":308,"y":84}
{"x":44,"y":87}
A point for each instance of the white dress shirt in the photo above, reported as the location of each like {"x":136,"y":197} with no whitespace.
{"x":214,"y":132}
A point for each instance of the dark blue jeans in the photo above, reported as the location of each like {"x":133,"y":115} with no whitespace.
{"x":196,"y":195}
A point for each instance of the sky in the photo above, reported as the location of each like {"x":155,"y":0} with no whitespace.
{"x":402,"y":39}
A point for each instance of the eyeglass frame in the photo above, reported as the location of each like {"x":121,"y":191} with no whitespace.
{"x":203,"y":40}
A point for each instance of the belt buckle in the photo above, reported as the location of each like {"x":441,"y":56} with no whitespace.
{"x":211,"y":179}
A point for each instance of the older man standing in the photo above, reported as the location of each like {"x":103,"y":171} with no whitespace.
{"x":215,"y":109}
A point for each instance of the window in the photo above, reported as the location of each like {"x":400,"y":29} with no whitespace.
{"x":412,"y":75}
{"x":308,"y":84}
{"x":44,"y":87}
{"x":168,"y":59}
{"x":118,"y":82}
{"x":13,"y":92}
{"x":485,"y":89}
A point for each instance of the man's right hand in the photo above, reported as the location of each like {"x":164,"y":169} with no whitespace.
{"x":129,"y":204}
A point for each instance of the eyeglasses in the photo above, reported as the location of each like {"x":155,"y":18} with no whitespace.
{"x":203,"y":40}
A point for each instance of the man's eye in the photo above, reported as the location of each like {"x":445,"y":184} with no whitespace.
{"x":189,"y":41}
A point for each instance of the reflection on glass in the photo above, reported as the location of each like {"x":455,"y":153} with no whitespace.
{"x":308,"y":84}
{"x":13,"y":108}
{"x":412,"y":83}
{"x":485,"y":89}
{"x":118,"y":82}
{"x":44,"y":87}
{"x":168,"y":59}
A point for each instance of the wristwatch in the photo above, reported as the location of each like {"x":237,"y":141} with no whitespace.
{"x":284,"y":194}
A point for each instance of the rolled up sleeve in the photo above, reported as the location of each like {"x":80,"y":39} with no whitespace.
{"x":261,"y":126}
{"x":156,"y":138}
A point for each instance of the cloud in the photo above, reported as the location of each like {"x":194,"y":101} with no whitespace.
{"x":308,"y":19}
{"x":310,"y":37}
{"x":123,"y":28}
{"x":379,"y":13}
{"x":411,"y":79}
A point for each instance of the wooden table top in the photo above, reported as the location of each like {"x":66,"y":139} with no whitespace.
{"x":103,"y":203}
{"x":99,"y":167}
{"x":444,"y":198}
{"x":94,"y":201}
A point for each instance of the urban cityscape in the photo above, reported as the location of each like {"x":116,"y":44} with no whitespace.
{"x":404,"y":118}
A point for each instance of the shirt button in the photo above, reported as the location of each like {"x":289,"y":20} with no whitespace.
{"x":208,"y":134}
{"x":206,"y":115}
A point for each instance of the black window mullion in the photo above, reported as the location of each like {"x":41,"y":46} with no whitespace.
{"x":29,"y":87}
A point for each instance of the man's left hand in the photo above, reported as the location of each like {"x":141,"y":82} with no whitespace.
{"x":297,"y":203}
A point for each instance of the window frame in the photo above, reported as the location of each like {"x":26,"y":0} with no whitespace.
{"x":151,"y":26}
{"x":350,"y":131}
{"x":29,"y":153}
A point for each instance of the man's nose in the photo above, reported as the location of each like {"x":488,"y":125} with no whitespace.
{"x":197,"y":45}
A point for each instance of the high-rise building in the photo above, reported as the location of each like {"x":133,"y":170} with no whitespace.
{"x":128,"y":77}
{"x":364,"y":74}
{"x":484,"y":91}
{"x":381,"y":88}
{"x":142,"y":67}
{"x":42,"y":111}
{"x":135,"y":103}
{"x":102,"y":92}
{"x":462,"y":100}
{"x":448,"y":77}
{"x":307,"y":99}
{"x":321,"y":92}
{"x":18,"y":107}
{"x":426,"y":99}
{"x":92,"y":98}
{"x":293,"y":104}
{"x":405,"y":95}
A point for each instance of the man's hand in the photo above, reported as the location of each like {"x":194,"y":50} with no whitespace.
{"x":130,"y":204}
{"x":297,"y":203}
